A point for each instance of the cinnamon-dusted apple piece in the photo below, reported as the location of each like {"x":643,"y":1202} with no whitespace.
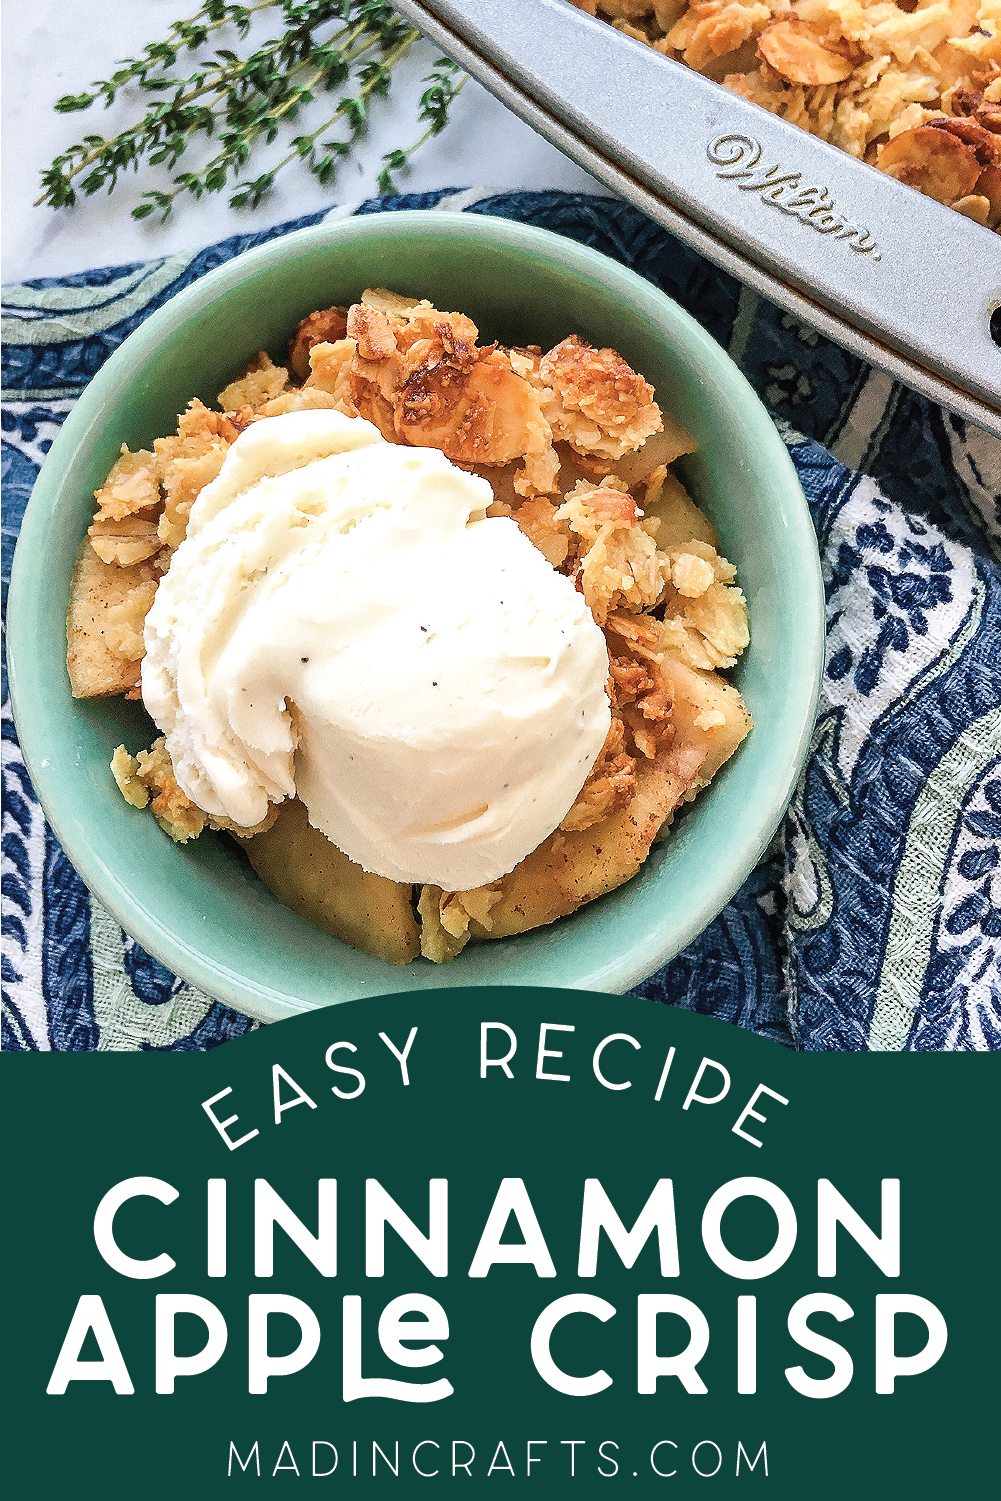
{"x":316,"y":880}
{"x":142,"y":513}
{"x":108,"y":603}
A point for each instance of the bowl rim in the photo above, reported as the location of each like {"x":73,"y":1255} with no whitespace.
{"x":643,"y":955}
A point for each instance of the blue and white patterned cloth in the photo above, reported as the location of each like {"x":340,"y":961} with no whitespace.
{"x":874,"y":922}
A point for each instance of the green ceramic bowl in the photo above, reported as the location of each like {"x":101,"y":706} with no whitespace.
{"x":199,"y":908}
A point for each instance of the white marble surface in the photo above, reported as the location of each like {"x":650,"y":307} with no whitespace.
{"x":54,"y":47}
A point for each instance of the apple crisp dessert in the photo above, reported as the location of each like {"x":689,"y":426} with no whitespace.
{"x":913,"y":87}
{"x":578,"y":453}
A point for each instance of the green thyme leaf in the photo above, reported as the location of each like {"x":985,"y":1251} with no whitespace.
{"x":244,"y":100}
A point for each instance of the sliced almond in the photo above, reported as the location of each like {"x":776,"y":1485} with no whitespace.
{"x":799,"y":53}
{"x":124,"y":542}
{"x":983,"y":143}
{"x":933,"y":161}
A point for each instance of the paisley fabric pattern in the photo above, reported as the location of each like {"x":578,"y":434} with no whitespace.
{"x":874,"y":920}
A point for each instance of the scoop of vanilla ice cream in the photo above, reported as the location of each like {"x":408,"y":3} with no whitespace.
{"x":344,"y":622}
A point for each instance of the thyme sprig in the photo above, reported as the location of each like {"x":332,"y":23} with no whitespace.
{"x":446,"y":83}
{"x":350,"y":46}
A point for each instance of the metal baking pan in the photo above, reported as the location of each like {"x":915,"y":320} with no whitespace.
{"x":903,"y":282}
